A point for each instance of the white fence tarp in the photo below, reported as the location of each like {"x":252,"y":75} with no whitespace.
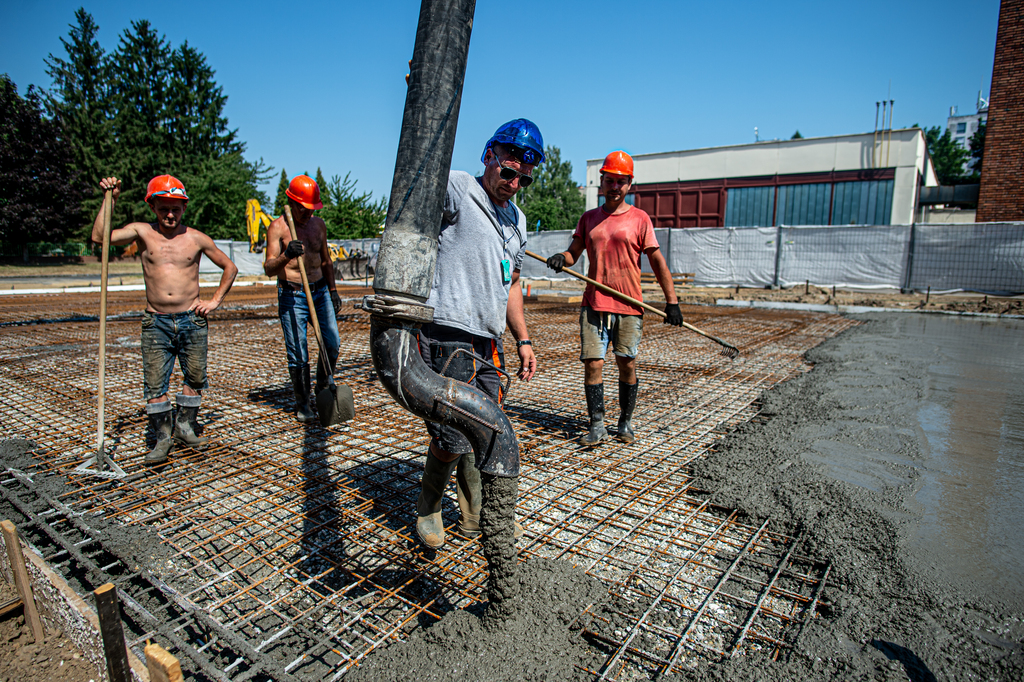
{"x":984,"y":257}
{"x":864,"y":256}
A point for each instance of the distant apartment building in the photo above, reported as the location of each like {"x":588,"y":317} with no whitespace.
{"x":961,"y":128}
{"x":862,"y":179}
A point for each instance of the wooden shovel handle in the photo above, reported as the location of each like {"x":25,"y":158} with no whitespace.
{"x":305,"y":288}
{"x":629,"y":299}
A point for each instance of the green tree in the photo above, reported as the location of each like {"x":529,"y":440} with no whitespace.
{"x":947,"y":156}
{"x":977,"y":146}
{"x":79,"y":100}
{"x":349,"y":215}
{"x":281,"y":199}
{"x":554,"y":198}
{"x":40,"y":193}
{"x":797,"y":136}
{"x":325,"y":197}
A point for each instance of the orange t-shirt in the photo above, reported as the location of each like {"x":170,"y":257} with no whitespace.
{"x":614,"y":246}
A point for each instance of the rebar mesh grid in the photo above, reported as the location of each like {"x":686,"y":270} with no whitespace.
{"x":293,"y":547}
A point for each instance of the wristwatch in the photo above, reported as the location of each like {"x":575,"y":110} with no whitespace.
{"x":524,"y":342}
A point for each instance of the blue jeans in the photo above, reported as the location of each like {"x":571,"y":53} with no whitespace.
{"x":295,"y":320}
{"x":169,"y":336}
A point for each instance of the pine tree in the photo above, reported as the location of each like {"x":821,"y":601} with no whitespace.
{"x":79,"y":101}
{"x":40,"y":194}
{"x":325,"y":196}
{"x":554,"y":198}
{"x":349,"y":215}
{"x":282,"y":199}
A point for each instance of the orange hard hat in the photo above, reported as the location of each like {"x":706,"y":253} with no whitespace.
{"x":166,"y":186}
{"x":618,"y":163}
{"x":304,"y":190}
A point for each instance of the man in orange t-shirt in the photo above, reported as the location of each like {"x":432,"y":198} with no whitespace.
{"x":614,"y":235}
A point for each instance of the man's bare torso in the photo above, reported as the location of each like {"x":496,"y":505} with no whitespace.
{"x":312,"y":236}
{"x":170,"y":265}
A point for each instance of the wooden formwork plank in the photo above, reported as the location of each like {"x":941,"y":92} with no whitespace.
{"x":21,"y":581}
{"x":162,"y":666}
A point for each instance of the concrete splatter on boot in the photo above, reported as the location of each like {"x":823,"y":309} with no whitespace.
{"x":627,"y":403}
{"x":467,"y":488}
{"x":429,"y":524}
{"x":595,"y":408}
{"x":160,"y":417}
{"x":300,"y":386}
{"x":185,"y":422}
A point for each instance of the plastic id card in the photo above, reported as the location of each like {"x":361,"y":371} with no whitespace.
{"x":506,"y":271}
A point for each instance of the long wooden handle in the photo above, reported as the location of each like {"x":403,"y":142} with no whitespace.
{"x":108,"y":207}
{"x":305,"y":287}
{"x":629,"y":299}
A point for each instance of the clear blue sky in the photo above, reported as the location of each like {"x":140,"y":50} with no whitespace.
{"x":323,"y":84}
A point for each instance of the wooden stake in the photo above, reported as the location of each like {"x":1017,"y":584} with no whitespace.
{"x":114,"y":650}
{"x":162,"y":666}
{"x":21,"y":580}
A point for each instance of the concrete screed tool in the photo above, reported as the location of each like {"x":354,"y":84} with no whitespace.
{"x":335,"y":403}
{"x":730,"y":351}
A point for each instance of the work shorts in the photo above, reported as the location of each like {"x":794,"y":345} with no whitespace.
{"x":598,"y":329}
{"x":169,"y":336}
{"x":437,"y":344}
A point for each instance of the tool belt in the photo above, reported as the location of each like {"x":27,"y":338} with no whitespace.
{"x":297,"y":286}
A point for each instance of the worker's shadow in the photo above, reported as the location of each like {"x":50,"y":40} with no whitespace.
{"x":322,"y":550}
{"x":277,"y":396}
{"x":547,"y":424}
{"x":913,"y":666}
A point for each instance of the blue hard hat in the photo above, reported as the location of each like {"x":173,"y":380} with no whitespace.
{"x":521,"y":133}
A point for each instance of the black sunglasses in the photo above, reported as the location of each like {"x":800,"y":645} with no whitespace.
{"x":511,"y":174}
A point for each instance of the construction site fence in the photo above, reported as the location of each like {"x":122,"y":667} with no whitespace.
{"x":982,"y":257}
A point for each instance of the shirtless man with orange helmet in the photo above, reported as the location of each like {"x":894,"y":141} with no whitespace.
{"x":174,"y":324}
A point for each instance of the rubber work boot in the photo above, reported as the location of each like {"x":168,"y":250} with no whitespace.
{"x":429,"y":524}
{"x":321,"y":375}
{"x":300,"y":386}
{"x":160,"y":418}
{"x":627,"y":403}
{"x":185,"y":421}
{"x":595,"y":407}
{"x":468,"y":489}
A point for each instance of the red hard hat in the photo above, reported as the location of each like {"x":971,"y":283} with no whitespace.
{"x":166,"y":186}
{"x":304,"y":190}
{"x":618,"y":163}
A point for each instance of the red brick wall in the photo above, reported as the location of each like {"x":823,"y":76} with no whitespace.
{"x":1002,"y":170}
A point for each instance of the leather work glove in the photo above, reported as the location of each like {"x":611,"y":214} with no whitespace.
{"x":556,"y":262}
{"x":294,"y":249}
{"x":672,"y":315}
{"x":336,"y":302}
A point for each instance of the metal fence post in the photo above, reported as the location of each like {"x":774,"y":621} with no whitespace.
{"x":910,"y":259}
{"x":778,"y":256}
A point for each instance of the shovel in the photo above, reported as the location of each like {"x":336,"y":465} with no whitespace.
{"x":334,"y":404}
{"x":730,"y":351}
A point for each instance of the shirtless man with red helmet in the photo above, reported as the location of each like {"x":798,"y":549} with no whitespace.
{"x":174,"y":324}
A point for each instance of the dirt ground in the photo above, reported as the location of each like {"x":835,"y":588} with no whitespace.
{"x":21,"y":660}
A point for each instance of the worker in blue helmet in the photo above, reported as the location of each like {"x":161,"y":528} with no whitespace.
{"x":476,"y":293}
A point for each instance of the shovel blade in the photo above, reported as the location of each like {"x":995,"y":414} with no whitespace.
{"x":335,"y":405}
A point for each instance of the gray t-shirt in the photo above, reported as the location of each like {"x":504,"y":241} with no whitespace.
{"x":469,"y":293}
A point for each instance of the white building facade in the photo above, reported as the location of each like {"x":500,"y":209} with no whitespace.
{"x":863,"y":179}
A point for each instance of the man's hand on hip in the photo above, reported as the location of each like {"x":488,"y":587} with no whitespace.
{"x":527,"y":363}
{"x":673,"y":315}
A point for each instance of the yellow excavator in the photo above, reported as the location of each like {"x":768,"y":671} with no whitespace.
{"x":254,"y":217}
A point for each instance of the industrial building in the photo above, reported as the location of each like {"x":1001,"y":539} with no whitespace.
{"x":862,"y":179}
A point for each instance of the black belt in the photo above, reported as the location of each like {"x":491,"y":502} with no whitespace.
{"x":297,"y":286}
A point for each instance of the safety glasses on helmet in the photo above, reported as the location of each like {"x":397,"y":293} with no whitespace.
{"x":510,"y":174}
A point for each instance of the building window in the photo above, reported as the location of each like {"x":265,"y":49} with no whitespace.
{"x":862,"y":203}
{"x":749,"y":207}
{"x":961,"y":127}
{"x":804,"y":204}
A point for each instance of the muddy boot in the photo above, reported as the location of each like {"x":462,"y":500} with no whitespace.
{"x":185,"y":421}
{"x":627,"y":403}
{"x":321,"y":376}
{"x":300,"y":386}
{"x":595,"y":407}
{"x":429,"y":524}
{"x":467,"y":480}
{"x":160,"y":418}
